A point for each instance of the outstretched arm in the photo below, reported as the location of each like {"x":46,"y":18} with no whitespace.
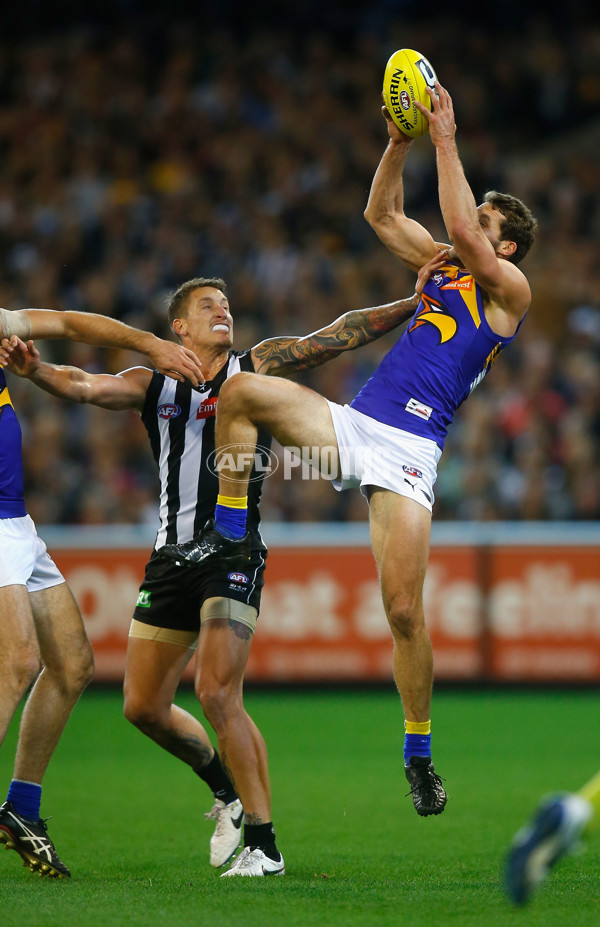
{"x":126,"y":390}
{"x":502,"y":280}
{"x":283,"y":357}
{"x":169,"y":358}
{"x":404,"y":237}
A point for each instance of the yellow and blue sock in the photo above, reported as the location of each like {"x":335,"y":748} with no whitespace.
{"x":231,"y":515}
{"x":26,"y":798}
{"x":417,"y":739}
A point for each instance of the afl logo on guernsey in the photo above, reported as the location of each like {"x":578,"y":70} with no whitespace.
{"x":169,"y":410}
{"x":207,"y":408}
{"x":237,"y":577}
{"x":413,"y":471}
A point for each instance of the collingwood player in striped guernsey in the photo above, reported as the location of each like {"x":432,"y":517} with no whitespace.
{"x":216,"y":612}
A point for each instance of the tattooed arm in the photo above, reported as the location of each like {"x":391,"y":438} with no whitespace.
{"x":285,"y":356}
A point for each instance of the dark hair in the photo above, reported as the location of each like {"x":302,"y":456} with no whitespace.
{"x":176,"y":305}
{"x":519,"y":224}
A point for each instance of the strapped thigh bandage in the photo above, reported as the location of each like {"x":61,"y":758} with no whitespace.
{"x":220,"y":607}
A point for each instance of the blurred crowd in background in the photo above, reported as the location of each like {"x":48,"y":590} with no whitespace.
{"x":137,"y":156}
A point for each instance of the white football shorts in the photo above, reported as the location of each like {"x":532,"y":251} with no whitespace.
{"x":24,"y":558}
{"x":375,"y":454}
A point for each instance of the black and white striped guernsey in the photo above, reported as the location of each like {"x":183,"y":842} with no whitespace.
{"x":180,"y":420}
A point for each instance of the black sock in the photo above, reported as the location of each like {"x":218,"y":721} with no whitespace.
{"x":217,"y":779}
{"x":262,"y":836}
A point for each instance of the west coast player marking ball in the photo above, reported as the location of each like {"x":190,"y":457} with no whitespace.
{"x":407,"y":76}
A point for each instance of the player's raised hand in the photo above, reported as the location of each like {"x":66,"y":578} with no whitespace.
{"x":441,"y":118}
{"x":430,"y":268}
{"x":20,"y":358}
{"x":393,"y":131}
{"x":177,"y":362}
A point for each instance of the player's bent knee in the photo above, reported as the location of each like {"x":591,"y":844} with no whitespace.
{"x":75,"y":673}
{"x":81,"y":676}
{"x":84,"y":668}
{"x":405,"y":619}
{"x":87,"y":668}
{"x":23,"y":671}
{"x":237,"y":390}
{"x":143,"y":714}
{"x":218,"y":702}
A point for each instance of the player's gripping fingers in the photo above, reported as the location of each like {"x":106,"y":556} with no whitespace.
{"x":174,"y":374}
{"x":23,"y":359}
{"x":195,"y":366}
{"x":441,"y":119}
{"x":430,"y":268}
{"x":393,"y":131}
{"x":177,"y":362}
{"x":441,"y":100}
{"x":189,"y":366}
{"x":437,"y":261}
{"x":5,"y":351}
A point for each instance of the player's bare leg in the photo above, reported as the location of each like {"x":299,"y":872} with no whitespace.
{"x":19,"y":652}
{"x":400,"y":530}
{"x":152,"y":675}
{"x":293,"y":414}
{"x":223,"y":650}
{"x":153,"y":672}
{"x":67,"y":667}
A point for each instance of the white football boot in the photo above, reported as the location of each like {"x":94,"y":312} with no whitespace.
{"x":228,"y":832}
{"x":253,"y":862}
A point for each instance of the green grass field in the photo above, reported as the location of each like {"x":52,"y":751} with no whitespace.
{"x":128,"y":818}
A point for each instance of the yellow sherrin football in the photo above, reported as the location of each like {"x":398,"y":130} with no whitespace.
{"x":407,"y":76}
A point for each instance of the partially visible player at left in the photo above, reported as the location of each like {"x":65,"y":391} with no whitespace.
{"x":42,"y":637}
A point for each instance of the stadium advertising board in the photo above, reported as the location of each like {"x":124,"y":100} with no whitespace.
{"x":496,"y":610}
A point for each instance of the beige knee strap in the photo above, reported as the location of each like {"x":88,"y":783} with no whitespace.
{"x":220,"y":607}
{"x":15,"y":322}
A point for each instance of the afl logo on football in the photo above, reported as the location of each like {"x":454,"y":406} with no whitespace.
{"x":412,"y":471}
{"x":169,"y":410}
{"x":237,"y":577}
{"x":404,"y":99}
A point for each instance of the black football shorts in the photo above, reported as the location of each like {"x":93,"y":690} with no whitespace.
{"x":172,"y":596}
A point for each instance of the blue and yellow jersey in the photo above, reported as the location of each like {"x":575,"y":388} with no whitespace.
{"x":445,"y":351}
{"x":12,"y":497}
